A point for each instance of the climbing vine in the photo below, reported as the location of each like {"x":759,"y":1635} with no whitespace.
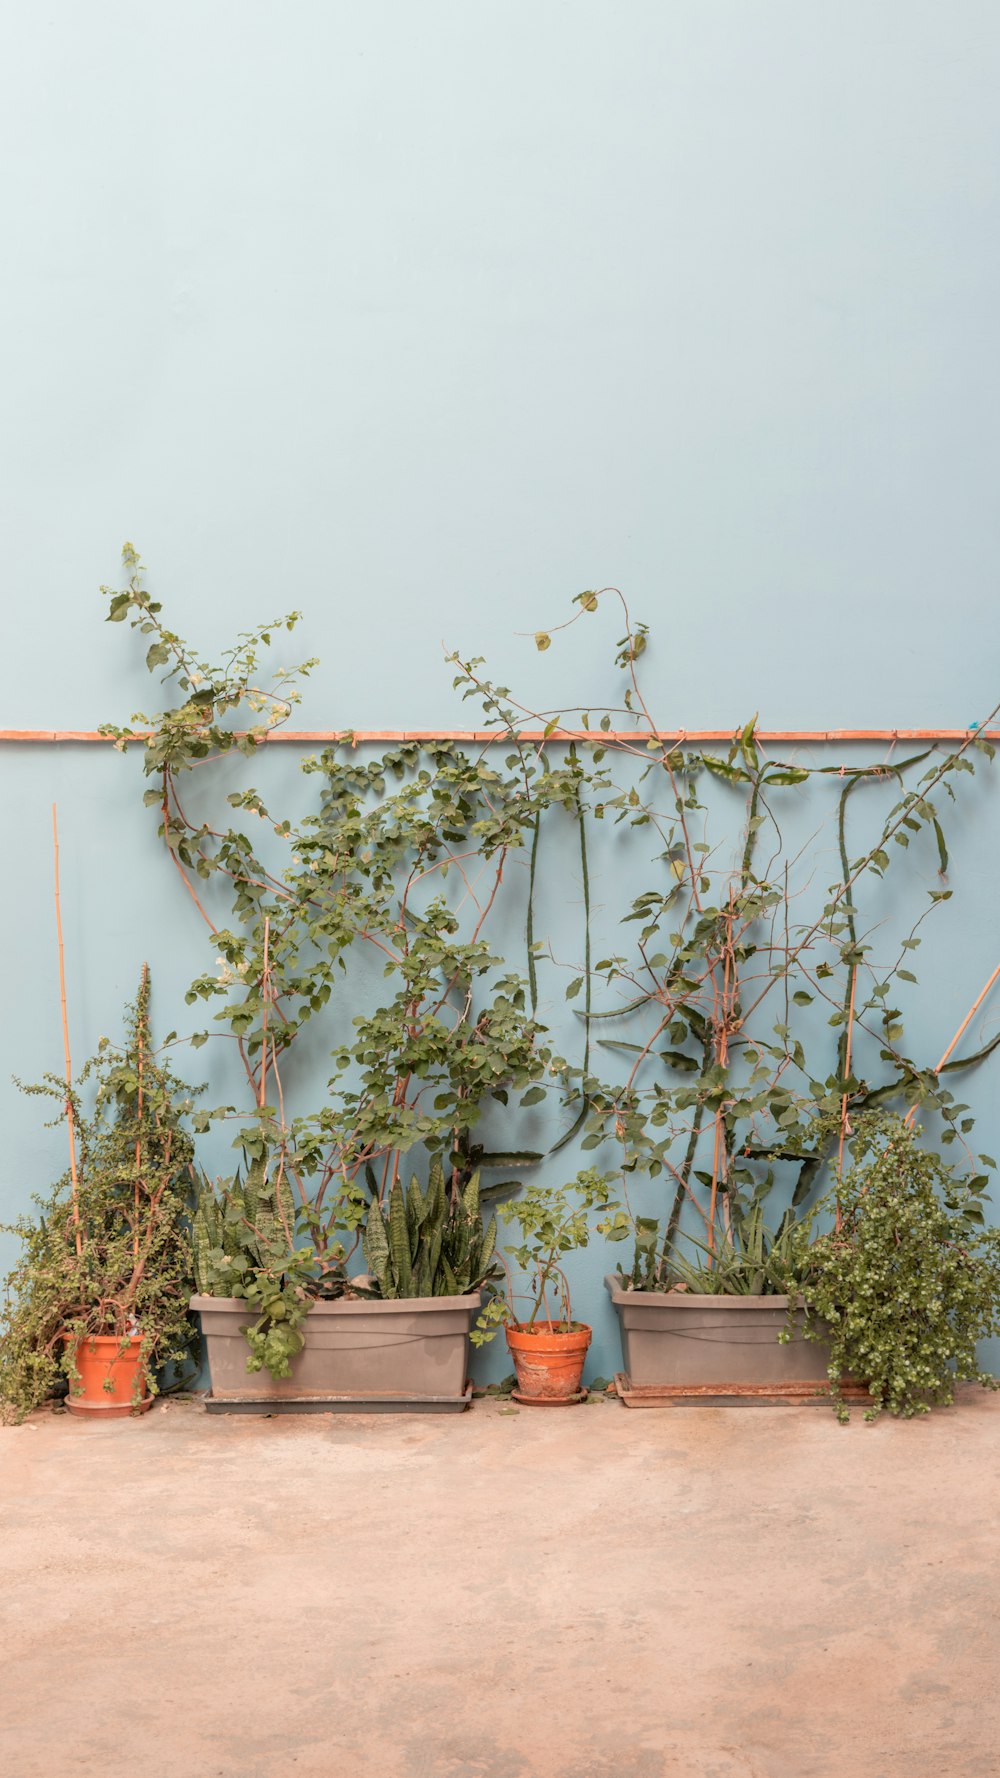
{"x":732,"y":1036}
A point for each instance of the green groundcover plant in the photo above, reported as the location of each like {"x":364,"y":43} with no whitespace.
{"x":109,"y":1252}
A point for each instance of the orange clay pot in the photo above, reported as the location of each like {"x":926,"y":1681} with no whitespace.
{"x":100,"y":1359}
{"x":548,"y":1361}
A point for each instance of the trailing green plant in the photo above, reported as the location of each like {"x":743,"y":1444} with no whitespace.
{"x":109,"y":1252}
{"x":250,"y":1242}
{"x":429,"y":1243}
{"x":746,"y":1258}
{"x":552,"y":1221}
{"x":907,"y":1280}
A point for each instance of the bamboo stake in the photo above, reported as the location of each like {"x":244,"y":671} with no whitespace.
{"x":843,"y":1100}
{"x":265,"y":988}
{"x":65,"y":1025}
{"x":138,"y":1139}
{"x":966,"y":1022}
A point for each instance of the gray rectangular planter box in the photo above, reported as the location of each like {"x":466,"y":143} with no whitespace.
{"x":674,"y":1338}
{"x":366,"y":1355}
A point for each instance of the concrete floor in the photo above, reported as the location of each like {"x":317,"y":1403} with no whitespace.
{"x":595,"y":1593}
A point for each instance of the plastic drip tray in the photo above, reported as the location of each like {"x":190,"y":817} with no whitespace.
{"x":339,"y":1404}
{"x":788,"y":1394}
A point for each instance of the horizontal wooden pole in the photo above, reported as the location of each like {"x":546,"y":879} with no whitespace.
{"x":532,"y":736}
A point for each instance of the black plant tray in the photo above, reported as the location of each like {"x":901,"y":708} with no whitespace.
{"x":339,"y":1404}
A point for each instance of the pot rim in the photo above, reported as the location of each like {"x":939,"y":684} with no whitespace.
{"x":371,"y":1305}
{"x":573,"y":1335}
{"x":689,"y":1299}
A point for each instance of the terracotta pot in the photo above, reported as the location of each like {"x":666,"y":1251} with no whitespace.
{"x":548,"y":1362}
{"x":103,"y":1359}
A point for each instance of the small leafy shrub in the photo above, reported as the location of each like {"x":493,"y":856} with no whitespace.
{"x":552,"y":1221}
{"x":109,"y":1254}
{"x":910,"y":1280}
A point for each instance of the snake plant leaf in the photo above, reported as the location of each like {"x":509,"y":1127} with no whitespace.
{"x":376,"y":1250}
{"x":432,"y":1256}
{"x":399,"y":1242}
{"x":487,"y":1246}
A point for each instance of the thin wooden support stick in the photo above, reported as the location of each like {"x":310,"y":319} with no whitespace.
{"x":138,"y":1138}
{"x":69,"y":1066}
{"x":966,"y":1022}
{"x":265,"y":988}
{"x":843,"y":1097}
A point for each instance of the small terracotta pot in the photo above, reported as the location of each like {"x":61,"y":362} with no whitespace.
{"x":100,"y":1359}
{"x":548,"y":1362}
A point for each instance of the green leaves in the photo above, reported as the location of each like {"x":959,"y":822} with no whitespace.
{"x":788,"y":775}
{"x":551,"y":1223}
{"x":431,"y":1245}
{"x":721,"y":768}
{"x":400,"y":861}
{"x":77,"y":1272}
{"x":909,"y":1283}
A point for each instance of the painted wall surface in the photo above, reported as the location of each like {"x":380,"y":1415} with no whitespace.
{"x":426,"y":318}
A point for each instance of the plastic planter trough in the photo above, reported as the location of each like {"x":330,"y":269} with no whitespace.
{"x":676,"y":1343}
{"x":359,"y":1357}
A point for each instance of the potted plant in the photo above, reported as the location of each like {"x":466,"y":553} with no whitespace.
{"x":907,"y":1280}
{"x":547,"y":1346}
{"x":286,"y":1327}
{"x":399,"y":868}
{"x":728,"y":1319}
{"x":728,"y":1086}
{"x":100,"y":1292}
{"x":455,"y":1033}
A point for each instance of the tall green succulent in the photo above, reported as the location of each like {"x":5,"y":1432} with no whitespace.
{"x":747,"y":1259}
{"x":428,"y":1243}
{"x":248,"y":1224}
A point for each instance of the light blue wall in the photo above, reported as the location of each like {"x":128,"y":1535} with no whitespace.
{"x":424,"y":318}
